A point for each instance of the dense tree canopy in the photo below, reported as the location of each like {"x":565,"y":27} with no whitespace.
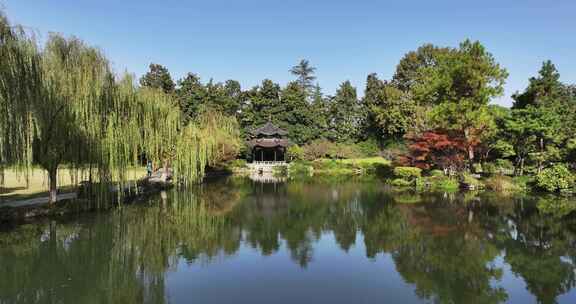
{"x":345,"y":114}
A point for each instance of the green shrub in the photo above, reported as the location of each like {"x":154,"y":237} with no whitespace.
{"x":344,"y":151}
{"x":499,"y":166}
{"x":406,"y":176}
{"x":557,"y":178}
{"x":524,"y":181}
{"x":317,"y":149}
{"x":280,"y":171}
{"x":437,"y":172}
{"x":408,"y":173}
{"x":368,"y":148}
{"x":237,"y":164}
{"x":400,"y":182}
{"x":393,"y":149}
{"x":471,"y":181}
{"x":300,"y":168}
{"x":477,"y":168}
{"x":504,"y":164}
{"x":326,"y":164}
{"x":503,"y":183}
{"x":295,"y":152}
{"x":444,"y":183}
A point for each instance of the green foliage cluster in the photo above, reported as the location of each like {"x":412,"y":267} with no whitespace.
{"x":408,"y":173}
{"x":504,"y":184}
{"x":471,"y":181}
{"x":295,"y":152}
{"x":372,"y":166}
{"x":301,"y":168}
{"x":443,"y":183}
{"x":557,"y":178}
{"x":406,"y":176}
{"x":498,"y":166}
{"x":323,"y":148}
{"x":237,"y":164}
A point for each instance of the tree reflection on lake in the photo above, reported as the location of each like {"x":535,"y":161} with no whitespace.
{"x":321,"y":241}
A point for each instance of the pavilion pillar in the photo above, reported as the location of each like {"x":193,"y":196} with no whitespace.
{"x":274,"y":154}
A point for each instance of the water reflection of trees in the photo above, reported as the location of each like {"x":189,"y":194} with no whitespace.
{"x":446,"y":246}
{"x":539,"y":246}
{"x":118,"y":257}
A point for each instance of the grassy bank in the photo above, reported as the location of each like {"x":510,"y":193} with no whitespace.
{"x":354,"y":166}
{"x":16,"y":187}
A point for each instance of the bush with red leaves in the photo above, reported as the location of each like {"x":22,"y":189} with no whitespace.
{"x":435,"y":149}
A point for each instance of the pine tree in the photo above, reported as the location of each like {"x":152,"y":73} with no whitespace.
{"x":305,"y":73}
{"x":158,"y":77}
{"x":542,"y":89}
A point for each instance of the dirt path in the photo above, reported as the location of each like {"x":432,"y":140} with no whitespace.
{"x":36,"y":200}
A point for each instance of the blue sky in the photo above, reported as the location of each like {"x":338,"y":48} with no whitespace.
{"x":249,"y":40}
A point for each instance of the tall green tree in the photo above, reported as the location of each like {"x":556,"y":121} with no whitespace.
{"x":550,"y":107}
{"x":346,"y":115}
{"x":158,"y":77}
{"x":390,"y":110}
{"x":190,"y":95}
{"x":224,"y":97}
{"x":321,"y":111}
{"x":462,"y":84}
{"x":305,"y":74}
{"x":297,"y":117}
{"x":263,"y":104}
{"x":20,"y":83}
{"x":533,"y":134}
{"x":543,"y":89}
{"x":410,"y":68}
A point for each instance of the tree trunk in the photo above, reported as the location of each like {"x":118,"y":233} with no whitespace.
{"x":471,"y":158}
{"x":541,"y":156}
{"x":53,"y":185}
{"x":165,"y":167}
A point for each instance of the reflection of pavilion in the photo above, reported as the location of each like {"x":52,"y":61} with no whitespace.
{"x":266,"y":177}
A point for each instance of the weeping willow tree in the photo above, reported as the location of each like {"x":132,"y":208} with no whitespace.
{"x":19,"y":81}
{"x":63,"y":105}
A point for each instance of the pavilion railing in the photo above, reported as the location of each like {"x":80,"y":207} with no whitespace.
{"x":269,"y":163}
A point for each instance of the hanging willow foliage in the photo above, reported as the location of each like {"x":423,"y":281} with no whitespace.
{"x":19,"y":71}
{"x":63,"y":105}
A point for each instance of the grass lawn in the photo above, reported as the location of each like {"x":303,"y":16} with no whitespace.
{"x":347,"y":166}
{"x":15,"y":187}
{"x":365,"y":161}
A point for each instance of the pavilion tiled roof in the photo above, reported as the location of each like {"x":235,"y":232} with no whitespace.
{"x":268,"y":142}
{"x":268,"y":129}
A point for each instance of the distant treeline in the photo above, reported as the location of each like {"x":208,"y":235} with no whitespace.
{"x":435,"y":112}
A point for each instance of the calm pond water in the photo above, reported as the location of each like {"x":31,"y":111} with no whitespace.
{"x":237,"y":241}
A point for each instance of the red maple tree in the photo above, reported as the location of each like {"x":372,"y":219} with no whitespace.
{"x":436,"y":149}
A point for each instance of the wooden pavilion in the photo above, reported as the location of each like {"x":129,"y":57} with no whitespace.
{"x":268,"y":143}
